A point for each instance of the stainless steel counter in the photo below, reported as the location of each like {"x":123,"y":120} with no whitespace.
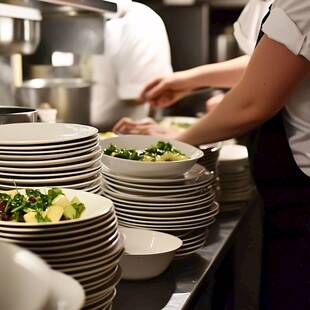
{"x":186,"y":280}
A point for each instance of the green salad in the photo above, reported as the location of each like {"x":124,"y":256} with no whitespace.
{"x":162,"y":151}
{"x":37,"y":207}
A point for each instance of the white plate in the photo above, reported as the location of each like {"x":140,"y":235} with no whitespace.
{"x":19,"y":173}
{"x":66,"y":293}
{"x":203,"y":179}
{"x":152,"y":193}
{"x":43,"y":133}
{"x":162,"y":203}
{"x":148,"y":169}
{"x":96,"y":205}
{"x":67,"y":167}
{"x":168,"y":228}
{"x":187,"y":220}
{"x":33,"y":157}
{"x":233,"y":152}
{"x":45,"y":180}
{"x":51,"y":162}
{"x":137,"y":198}
{"x":164,"y":213}
{"x":54,"y":149}
{"x":191,"y":175}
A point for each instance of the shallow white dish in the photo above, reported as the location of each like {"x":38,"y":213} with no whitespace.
{"x":66,"y":293}
{"x":190,"y":176}
{"x":43,"y":133}
{"x":31,"y":174}
{"x":205,"y":178}
{"x":51,"y":162}
{"x":144,"y":169}
{"x":67,"y":167}
{"x":96,"y":205}
{"x":46,"y":156}
{"x":25,"y":283}
{"x":22,"y":182}
{"x":233,"y":152}
{"x":147,"y":253}
{"x":52,"y":147}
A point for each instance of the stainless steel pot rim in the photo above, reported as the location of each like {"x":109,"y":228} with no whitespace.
{"x":10,"y":110}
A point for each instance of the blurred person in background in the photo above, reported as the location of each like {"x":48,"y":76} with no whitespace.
{"x":225,"y":74}
{"x":136,"y":51}
{"x":272,"y":101}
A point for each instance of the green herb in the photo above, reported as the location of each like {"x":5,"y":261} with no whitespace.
{"x":151,"y":152}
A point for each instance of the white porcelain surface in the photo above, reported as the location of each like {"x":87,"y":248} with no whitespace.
{"x":192,"y":175}
{"x":66,"y":293}
{"x":25,"y":282}
{"x":43,"y":133}
{"x":147,"y":253}
{"x":96,"y":205}
{"x":135,"y":168}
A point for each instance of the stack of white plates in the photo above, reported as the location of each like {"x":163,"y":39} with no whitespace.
{"x":235,"y":178}
{"x":43,"y":154}
{"x":88,"y":249}
{"x":183,"y":206}
{"x":210,"y":161}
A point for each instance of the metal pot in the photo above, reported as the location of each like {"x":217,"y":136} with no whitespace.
{"x":20,"y":29}
{"x":69,"y":96}
{"x":16,"y":114}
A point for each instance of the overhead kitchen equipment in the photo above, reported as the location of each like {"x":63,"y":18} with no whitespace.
{"x":19,"y":29}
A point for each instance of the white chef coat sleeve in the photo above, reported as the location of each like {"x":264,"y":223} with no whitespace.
{"x":289,"y":24}
{"x":144,"y":53}
{"x":247,"y":26}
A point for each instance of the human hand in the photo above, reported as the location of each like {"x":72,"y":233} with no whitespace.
{"x":163,"y":92}
{"x":145,"y":127}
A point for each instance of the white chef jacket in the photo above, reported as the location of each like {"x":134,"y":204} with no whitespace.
{"x":136,"y":52}
{"x":247,"y":27}
{"x":289,"y":24}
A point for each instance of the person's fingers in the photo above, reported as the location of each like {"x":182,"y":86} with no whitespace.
{"x":146,"y":92}
{"x":122,"y":123}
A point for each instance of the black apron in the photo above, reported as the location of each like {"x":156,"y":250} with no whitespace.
{"x":285,"y":191}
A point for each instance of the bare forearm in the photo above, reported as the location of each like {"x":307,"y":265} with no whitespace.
{"x":223,"y":74}
{"x":226,"y":121}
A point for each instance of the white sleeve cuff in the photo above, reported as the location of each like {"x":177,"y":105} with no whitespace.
{"x":282,"y":29}
{"x":245,"y":44}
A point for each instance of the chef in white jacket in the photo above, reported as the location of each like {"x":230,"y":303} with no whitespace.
{"x":136,"y":51}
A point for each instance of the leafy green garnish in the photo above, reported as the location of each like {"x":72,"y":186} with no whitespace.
{"x":151,"y":152}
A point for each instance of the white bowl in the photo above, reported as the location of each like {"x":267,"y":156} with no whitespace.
{"x":136,"y":168}
{"x":147,"y":253}
{"x":95,"y":206}
{"x":25,"y":282}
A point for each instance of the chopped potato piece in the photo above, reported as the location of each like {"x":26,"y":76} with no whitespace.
{"x":61,"y":200}
{"x":30,"y":217}
{"x":54,"y":213}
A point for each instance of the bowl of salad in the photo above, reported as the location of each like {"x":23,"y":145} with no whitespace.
{"x":50,"y":206}
{"x":148,"y":157}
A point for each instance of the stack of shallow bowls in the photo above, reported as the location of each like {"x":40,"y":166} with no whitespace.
{"x":210,"y":161}
{"x":235,"y":178}
{"x":88,"y":249}
{"x":158,"y":196}
{"x":42,"y":154}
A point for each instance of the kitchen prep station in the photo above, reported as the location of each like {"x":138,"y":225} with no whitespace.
{"x":150,"y":235}
{"x":177,"y":201}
